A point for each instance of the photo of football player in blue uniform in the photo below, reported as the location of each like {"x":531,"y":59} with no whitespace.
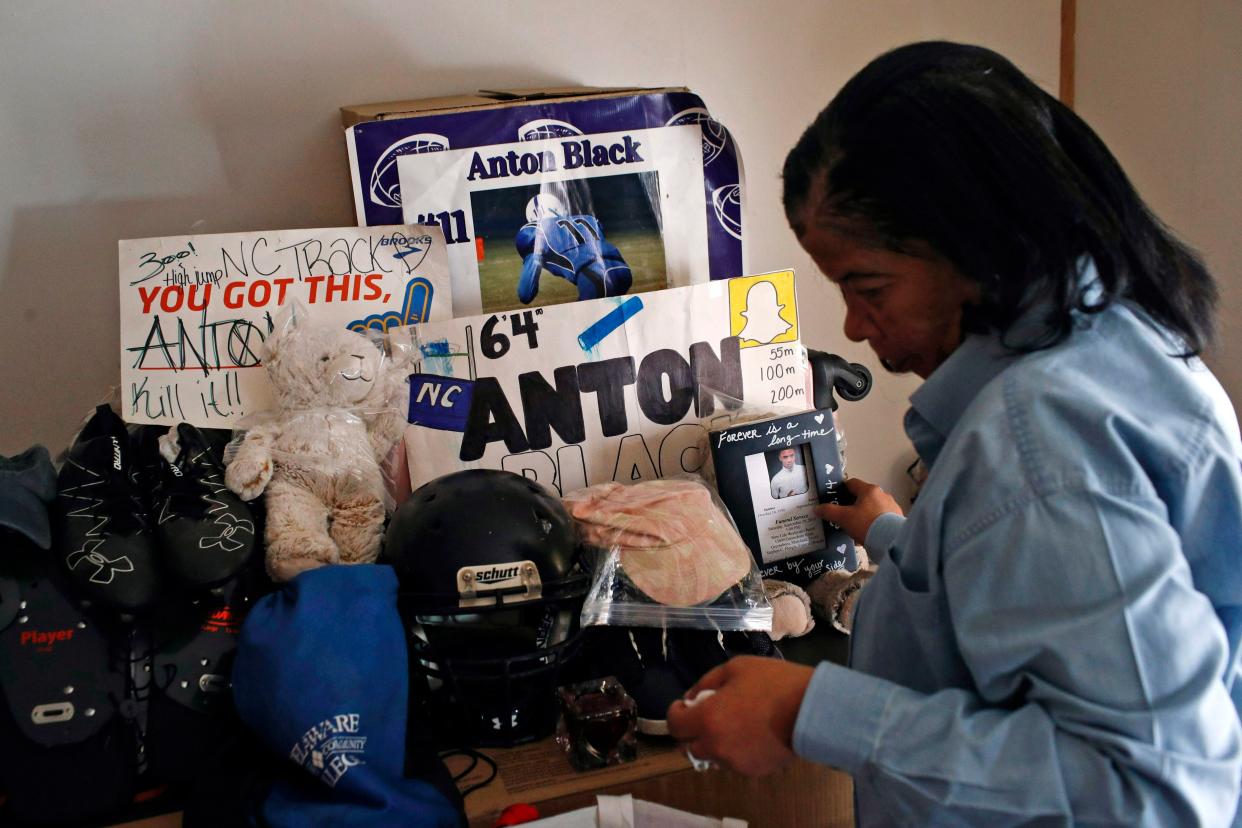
{"x":555,"y":241}
{"x":571,"y":246}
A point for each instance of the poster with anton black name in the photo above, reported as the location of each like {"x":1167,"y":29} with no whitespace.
{"x":620,"y":388}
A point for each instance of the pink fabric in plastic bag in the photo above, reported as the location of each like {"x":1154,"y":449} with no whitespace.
{"x":675,"y":544}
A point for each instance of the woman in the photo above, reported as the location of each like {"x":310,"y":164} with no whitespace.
{"x":1052,"y":635}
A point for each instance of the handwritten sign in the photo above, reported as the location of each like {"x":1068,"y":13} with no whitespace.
{"x":621,"y":388}
{"x":195,"y":310}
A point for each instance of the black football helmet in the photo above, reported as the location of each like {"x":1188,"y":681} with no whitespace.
{"x":491,"y":588}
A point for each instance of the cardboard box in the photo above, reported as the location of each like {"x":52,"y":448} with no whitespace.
{"x":378,"y":134}
{"x":486,"y":98}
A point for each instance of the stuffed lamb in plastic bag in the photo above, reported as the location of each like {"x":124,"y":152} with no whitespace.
{"x":316,"y":455}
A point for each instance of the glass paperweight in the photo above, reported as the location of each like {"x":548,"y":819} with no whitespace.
{"x":598,"y":724}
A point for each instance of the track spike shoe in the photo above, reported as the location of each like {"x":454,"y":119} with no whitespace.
{"x":102,"y":537}
{"x":206,"y":534}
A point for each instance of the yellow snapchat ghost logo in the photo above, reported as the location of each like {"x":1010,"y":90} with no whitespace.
{"x":763,"y":309}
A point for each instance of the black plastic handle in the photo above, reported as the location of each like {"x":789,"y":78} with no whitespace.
{"x":830,"y":372}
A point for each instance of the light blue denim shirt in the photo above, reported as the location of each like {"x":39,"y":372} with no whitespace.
{"x":1052,"y":635}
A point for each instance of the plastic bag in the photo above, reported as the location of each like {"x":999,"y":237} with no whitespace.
{"x":667,"y":555}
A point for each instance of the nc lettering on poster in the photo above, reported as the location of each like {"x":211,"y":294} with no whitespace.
{"x":621,"y":388}
{"x":587,"y":216}
{"x":195,"y":310}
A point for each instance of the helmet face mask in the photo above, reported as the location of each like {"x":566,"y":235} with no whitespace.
{"x":491,"y":590}
{"x":490,"y":680}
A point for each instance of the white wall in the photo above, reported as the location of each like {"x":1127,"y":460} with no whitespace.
{"x":1162,"y":84}
{"x":129,"y":119}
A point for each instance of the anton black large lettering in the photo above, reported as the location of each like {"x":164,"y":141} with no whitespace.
{"x":607,"y":379}
{"x":707,"y":380}
{"x":549,"y":409}
{"x":651,"y":373}
{"x":717,"y":376}
{"x":490,"y":419}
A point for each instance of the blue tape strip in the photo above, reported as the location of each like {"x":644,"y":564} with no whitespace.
{"x":617,"y":317}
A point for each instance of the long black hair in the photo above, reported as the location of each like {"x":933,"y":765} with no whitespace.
{"x":954,"y":146}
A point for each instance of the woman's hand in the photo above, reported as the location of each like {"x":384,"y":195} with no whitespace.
{"x":870,"y":501}
{"x":747,"y":723}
